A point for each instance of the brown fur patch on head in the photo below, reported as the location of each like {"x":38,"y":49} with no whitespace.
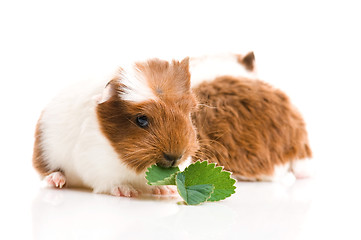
{"x":166,"y":79}
{"x":248,"y":127}
{"x":170,"y":130}
{"x":248,"y":61}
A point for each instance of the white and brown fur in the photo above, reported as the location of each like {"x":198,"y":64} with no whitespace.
{"x":88,"y":136}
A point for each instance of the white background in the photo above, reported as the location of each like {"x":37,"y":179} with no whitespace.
{"x":309,"y":49}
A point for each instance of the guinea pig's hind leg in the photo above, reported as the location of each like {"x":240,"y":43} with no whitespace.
{"x":56,"y":179}
{"x":303,"y":168}
{"x":281,"y":174}
{"x":124,"y":191}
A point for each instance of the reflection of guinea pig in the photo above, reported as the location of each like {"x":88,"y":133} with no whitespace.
{"x":104,"y":138}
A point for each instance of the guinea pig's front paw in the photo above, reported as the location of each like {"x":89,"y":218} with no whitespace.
{"x":124,"y":191}
{"x":164,"y":190}
{"x":56,"y":179}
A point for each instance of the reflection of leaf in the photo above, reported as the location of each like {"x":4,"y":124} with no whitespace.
{"x":161,"y":176}
{"x":194,"y":194}
{"x":202,"y":173}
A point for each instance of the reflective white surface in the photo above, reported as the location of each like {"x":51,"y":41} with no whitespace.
{"x":309,"y":209}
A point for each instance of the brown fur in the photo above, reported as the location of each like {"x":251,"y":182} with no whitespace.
{"x":248,"y":127}
{"x":38,"y":155}
{"x":170,"y":128}
{"x":166,"y":79}
{"x":248,"y":61}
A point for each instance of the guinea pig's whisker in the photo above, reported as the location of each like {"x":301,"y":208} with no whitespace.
{"x":205,"y":105}
{"x":132,"y":152}
{"x":206,"y":149}
{"x":144,"y":153}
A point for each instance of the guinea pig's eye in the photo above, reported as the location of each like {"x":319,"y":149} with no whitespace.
{"x":142,"y":121}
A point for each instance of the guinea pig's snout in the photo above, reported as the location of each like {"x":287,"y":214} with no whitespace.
{"x":172,"y":157}
{"x":169,"y":160}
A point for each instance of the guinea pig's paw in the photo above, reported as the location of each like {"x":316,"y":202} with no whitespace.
{"x":164,"y":190}
{"x":303,"y":168}
{"x":124,"y":191}
{"x":56,"y":179}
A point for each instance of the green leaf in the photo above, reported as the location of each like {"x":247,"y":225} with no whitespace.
{"x":202,"y":173}
{"x":198,"y":183}
{"x":161,"y":176}
{"x":195,"y":194}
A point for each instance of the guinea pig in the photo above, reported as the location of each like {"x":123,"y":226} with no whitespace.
{"x":104,"y":135}
{"x":245,"y":124}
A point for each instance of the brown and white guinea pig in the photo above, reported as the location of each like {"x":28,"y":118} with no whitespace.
{"x":104,"y":135}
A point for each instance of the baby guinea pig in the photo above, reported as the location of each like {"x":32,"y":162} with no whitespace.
{"x":104,"y":136}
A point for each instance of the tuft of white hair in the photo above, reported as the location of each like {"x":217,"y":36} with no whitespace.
{"x":137,"y":88}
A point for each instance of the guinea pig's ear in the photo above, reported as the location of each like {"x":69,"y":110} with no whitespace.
{"x":248,"y":61}
{"x":183,"y":77}
{"x":185,"y":65}
{"x":110,"y":91}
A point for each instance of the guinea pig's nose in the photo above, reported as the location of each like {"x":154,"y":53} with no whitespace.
{"x":171,"y":157}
